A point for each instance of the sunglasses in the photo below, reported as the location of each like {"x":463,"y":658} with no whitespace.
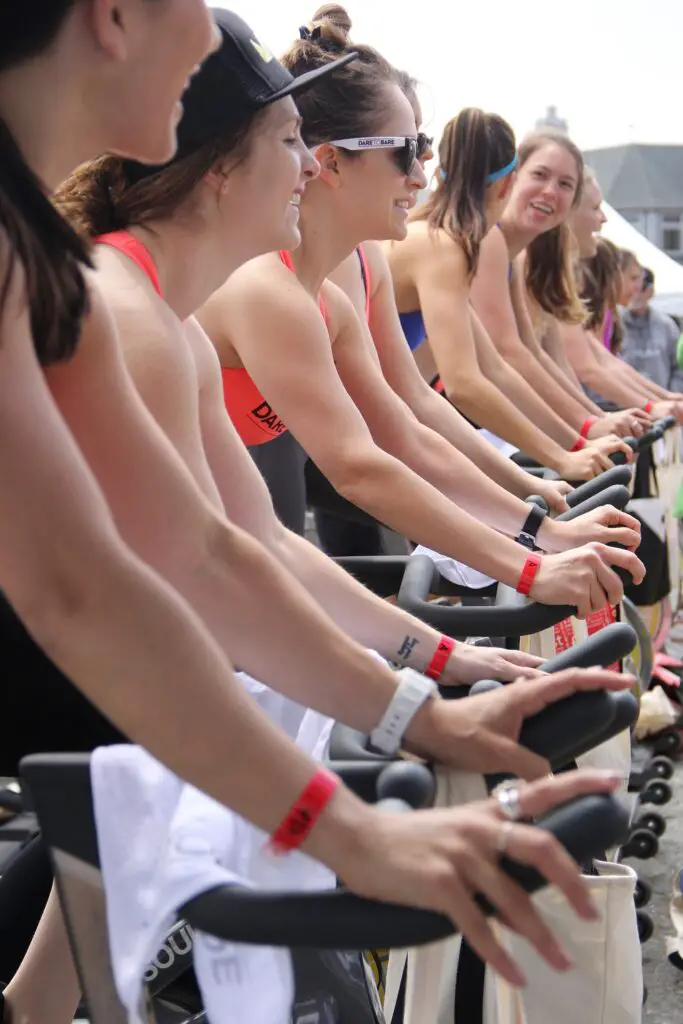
{"x":407,"y":150}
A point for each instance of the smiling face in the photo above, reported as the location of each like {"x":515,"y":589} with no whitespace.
{"x":160,"y":45}
{"x":587,"y":218}
{"x":267,"y":185}
{"x":545,"y":189}
{"x":375,"y":186}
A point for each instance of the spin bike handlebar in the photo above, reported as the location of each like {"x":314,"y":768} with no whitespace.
{"x":617,"y":475}
{"x":341,"y":920}
{"x":560,"y":733}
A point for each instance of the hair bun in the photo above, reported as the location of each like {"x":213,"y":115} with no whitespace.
{"x":334,"y":25}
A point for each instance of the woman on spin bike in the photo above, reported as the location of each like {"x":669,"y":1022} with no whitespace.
{"x":351,"y":423}
{"x":607,"y":278}
{"x":134,"y":646}
{"x":433,"y":272}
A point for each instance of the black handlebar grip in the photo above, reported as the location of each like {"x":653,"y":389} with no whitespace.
{"x":340,"y":920}
{"x":647,"y":439}
{"x":616,"y":495}
{"x":464,"y":620}
{"x":666,"y":423}
{"x":536,"y":499}
{"x":618,"y":475}
{"x":619,"y":458}
{"x":566,"y":729}
{"x":412,"y":783}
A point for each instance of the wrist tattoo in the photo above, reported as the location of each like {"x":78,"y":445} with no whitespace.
{"x":407,"y":647}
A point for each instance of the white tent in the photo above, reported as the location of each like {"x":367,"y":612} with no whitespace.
{"x":668,"y":273}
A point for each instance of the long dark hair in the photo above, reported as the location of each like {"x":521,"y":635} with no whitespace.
{"x":600,"y":277}
{"x":549,"y":277}
{"x":473,"y":146}
{"x":50,"y":252}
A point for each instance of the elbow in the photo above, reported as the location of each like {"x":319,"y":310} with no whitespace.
{"x":354,"y":474}
{"x":56,"y":594}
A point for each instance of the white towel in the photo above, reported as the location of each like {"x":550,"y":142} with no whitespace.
{"x":162,"y":842}
{"x":456,"y":572}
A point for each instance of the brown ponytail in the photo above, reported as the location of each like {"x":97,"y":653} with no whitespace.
{"x":473,"y":145}
{"x":50,"y":252}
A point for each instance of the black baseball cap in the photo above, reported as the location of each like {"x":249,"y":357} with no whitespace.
{"x":239,"y":78}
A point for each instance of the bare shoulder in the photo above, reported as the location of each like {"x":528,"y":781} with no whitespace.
{"x":205,"y":355}
{"x":339,"y":310}
{"x":264,"y":284}
{"x":141,"y":315}
{"x":494,"y":250}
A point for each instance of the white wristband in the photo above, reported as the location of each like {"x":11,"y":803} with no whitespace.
{"x":413,"y":690}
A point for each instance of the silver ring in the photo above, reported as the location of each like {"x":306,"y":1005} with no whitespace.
{"x":504,"y":837}
{"x":507,"y":796}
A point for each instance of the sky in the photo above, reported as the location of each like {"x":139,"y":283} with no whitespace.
{"x":613,"y":68}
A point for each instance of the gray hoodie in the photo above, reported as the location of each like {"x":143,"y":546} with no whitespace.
{"x":649,"y":346}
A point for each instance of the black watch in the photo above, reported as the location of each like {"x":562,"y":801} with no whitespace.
{"x":529,"y":532}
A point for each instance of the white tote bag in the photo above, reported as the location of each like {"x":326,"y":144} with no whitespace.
{"x":604,"y":988}
{"x":606,"y":985}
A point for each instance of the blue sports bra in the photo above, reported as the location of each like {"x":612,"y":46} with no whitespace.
{"x":413,"y":328}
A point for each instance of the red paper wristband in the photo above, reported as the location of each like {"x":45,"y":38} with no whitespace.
{"x":526,"y":580}
{"x":578,"y":444}
{"x":304,"y":812}
{"x":441,"y":655}
{"x":648,"y":406}
{"x":587,"y":424}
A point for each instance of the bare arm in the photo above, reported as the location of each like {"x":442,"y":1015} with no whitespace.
{"x":513,"y":384}
{"x":598,"y":369}
{"x":401,"y":372}
{"x":125,"y":638}
{"x":493,"y":302}
{"x":522,"y":303}
{"x":371,"y":621}
{"x":443,"y":289}
{"x":326,"y":421}
{"x":166,"y":519}
{"x":552,"y":345}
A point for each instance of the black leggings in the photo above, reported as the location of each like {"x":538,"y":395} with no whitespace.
{"x":282,"y":463}
{"x":42,"y":712}
{"x":292,"y":479}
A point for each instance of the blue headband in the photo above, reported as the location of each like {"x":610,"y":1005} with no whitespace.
{"x":503,"y":173}
{"x":496,"y":175}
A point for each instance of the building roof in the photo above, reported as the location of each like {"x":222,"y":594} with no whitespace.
{"x":640,"y":177}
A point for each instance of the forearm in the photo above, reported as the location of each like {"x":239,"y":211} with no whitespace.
{"x":644,"y":385}
{"x":457,"y":478}
{"x":445,"y":419}
{"x":551,"y":408}
{"x":569,"y":383}
{"x":396,"y":496}
{"x":371,"y":621}
{"x":239,"y":590}
{"x":487,"y":405}
{"x":610,"y":386}
{"x":553,"y":347}
{"x":143,"y":658}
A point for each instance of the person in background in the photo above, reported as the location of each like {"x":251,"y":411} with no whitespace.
{"x":650,"y":339}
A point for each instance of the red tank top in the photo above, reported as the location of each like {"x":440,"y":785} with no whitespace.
{"x":255,"y":419}
{"x":135,"y":251}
